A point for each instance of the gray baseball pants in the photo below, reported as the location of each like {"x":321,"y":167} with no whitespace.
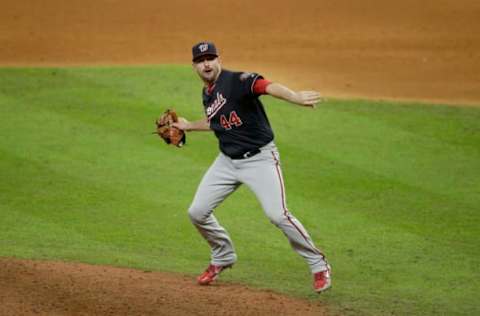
{"x":262,"y":174}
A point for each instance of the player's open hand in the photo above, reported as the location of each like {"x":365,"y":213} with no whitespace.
{"x":308,"y":98}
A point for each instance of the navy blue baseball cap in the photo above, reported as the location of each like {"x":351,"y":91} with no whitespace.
{"x":203,"y":49}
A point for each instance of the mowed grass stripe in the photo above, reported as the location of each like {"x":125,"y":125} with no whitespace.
{"x":388,"y":191}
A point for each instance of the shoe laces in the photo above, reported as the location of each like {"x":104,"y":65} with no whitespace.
{"x":322,"y":275}
{"x":213,"y":269}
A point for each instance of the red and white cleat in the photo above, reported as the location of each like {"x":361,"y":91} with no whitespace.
{"x":322,"y":280}
{"x":211,"y":274}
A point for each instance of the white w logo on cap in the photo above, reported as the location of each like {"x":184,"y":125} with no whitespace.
{"x":203,"y":48}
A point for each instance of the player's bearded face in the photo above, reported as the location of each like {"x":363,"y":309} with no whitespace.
{"x":208,"y":68}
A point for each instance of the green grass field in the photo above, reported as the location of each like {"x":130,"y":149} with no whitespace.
{"x":390,"y":192}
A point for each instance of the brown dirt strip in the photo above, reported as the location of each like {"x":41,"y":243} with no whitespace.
{"x":391,"y":49}
{"x":57,"y":288}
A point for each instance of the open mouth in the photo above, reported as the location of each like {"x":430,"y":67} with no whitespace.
{"x":207,"y":71}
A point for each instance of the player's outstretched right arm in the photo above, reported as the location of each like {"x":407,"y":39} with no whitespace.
{"x":200,"y":125}
{"x":304,"y":98}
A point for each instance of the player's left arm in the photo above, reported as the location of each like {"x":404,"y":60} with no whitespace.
{"x":303,"y":98}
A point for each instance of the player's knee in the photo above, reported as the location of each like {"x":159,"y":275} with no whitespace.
{"x":277,"y":219}
{"x":197,"y":214}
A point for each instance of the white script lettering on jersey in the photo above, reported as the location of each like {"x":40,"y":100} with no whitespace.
{"x":216,"y":105}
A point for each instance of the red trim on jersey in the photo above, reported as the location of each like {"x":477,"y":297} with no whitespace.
{"x":210,"y":88}
{"x":260,"y":86}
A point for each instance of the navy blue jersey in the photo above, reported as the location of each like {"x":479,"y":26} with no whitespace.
{"x":235,"y":113}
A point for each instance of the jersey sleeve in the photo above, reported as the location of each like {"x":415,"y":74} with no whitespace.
{"x":260,"y":86}
{"x":247,"y":83}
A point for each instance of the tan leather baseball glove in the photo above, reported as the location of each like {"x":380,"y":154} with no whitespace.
{"x":170,"y":134}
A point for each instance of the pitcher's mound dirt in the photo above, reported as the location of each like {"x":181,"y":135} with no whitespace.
{"x":57,"y":288}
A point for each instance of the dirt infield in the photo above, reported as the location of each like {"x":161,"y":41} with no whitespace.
{"x":395,"y":49}
{"x":56,"y":288}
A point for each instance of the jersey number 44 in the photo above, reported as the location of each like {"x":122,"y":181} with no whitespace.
{"x":233,"y":120}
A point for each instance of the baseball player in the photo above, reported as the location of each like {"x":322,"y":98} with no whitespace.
{"x":248,"y":155}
